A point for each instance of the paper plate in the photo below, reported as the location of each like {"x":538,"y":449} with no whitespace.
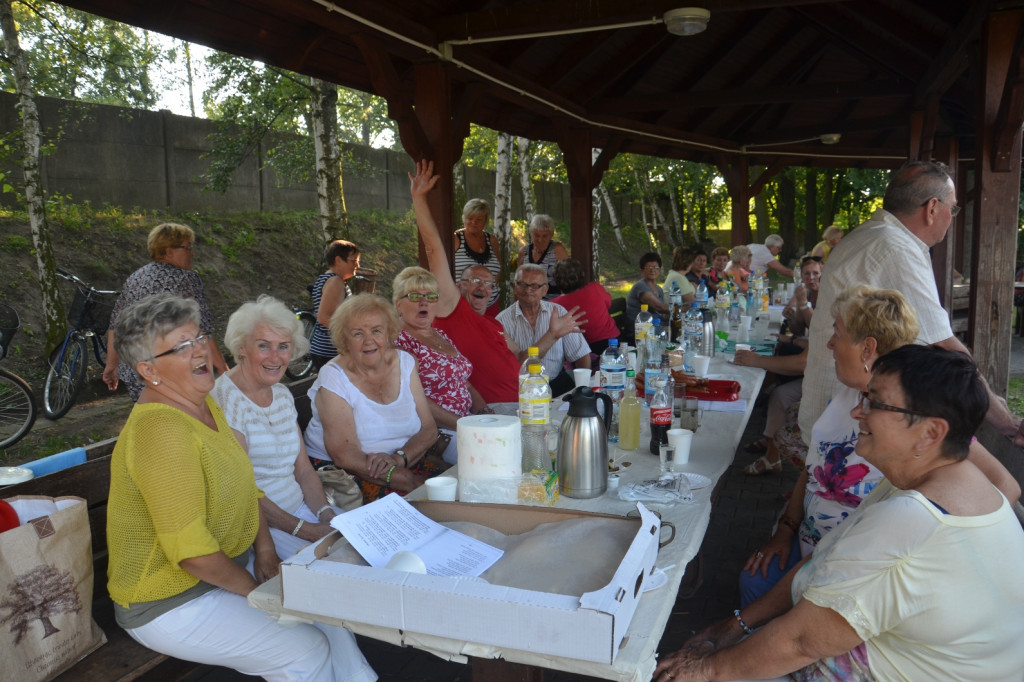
{"x":697,"y":481}
{"x":12,"y":475}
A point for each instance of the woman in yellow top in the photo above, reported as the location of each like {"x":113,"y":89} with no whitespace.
{"x":829,"y":238}
{"x":183,"y":512}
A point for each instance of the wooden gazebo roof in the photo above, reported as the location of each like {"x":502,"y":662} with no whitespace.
{"x":765,"y":80}
{"x":894,"y":79}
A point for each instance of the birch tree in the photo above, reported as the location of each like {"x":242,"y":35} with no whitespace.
{"x":330,"y":193}
{"x":503,"y":210}
{"x":525,"y":176}
{"x":613,"y":216}
{"x":46,"y":264}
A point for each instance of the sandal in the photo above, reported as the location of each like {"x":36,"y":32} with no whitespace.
{"x":761,"y":466}
{"x":757,"y":447}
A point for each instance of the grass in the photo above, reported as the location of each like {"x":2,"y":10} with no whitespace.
{"x":1015,"y":395}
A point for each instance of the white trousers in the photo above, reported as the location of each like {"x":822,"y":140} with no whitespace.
{"x":220,"y":628}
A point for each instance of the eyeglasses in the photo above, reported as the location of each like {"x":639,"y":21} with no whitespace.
{"x":477,"y":282}
{"x":417,"y":297}
{"x":953,"y":209}
{"x":530,"y":287}
{"x":808,"y":259}
{"x":867,"y":404}
{"x":185,"y":346}
{"x":187,"y":247}
{"x":652,"y":268}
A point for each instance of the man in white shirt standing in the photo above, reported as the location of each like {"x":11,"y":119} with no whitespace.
{"x":764,"y":256}
{"x":532,"y":321}
{"x":890,"y":251}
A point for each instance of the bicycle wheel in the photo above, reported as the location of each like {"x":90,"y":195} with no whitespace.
{"x":65,"y":378}
{"x":300,"y":368}
{"x":17,"y":408}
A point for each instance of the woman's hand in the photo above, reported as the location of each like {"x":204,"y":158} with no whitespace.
{"x":266,"y":566}
{"x":689,"y":663}
{"x":378,"y":463}
{"x":719,"y":635}
{"x":316,"y":531}
{"x":424,"y":180}
{"x":747,"y":358}
{"x":779,"y":546}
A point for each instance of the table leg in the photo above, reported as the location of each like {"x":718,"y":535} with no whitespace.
{"x":498,"y":670}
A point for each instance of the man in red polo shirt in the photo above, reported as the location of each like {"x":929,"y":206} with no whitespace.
{"x":461,"y":306}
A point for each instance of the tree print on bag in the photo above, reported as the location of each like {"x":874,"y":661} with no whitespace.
{"x":39,"y":594}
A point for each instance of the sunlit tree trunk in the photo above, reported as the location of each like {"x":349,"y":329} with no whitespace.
{"x":189,"y":78}
{"x":503,"y":210}
{"x":810,"y":209}
{"x":613,"y":216}
{"x":525,"y":177}
{"x":643,"y":209}
{"x":760,"y":219}
{"x":677,"y":223}
{"x":46,"y":265}
{"x":330,"y":191}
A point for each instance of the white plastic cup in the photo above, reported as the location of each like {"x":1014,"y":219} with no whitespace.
{"x":743,"y":346}
{"x":442,"y":488}
{"x":680,"y":439}
{"x":745,"y":321}
{"x":701,"y":364}
{"x":582,"y":377}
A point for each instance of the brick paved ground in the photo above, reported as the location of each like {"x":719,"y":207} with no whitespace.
{"x":740,"y":521}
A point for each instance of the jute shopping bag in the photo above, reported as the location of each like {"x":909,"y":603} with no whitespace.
{"x":46,"y":583}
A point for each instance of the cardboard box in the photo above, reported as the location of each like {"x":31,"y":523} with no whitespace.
{"x":590,"y":627}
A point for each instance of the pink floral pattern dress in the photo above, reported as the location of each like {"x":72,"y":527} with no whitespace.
{"x":444,"y":377}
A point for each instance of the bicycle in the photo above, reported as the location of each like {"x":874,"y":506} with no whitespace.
{"x":89,"y":318}
{"x":300,"y":368}
{"x":17,"y":402}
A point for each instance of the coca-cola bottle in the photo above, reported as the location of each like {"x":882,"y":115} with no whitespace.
{"x":661,"y":412}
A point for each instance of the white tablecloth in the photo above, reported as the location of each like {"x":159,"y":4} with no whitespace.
{"x":713,"y":449}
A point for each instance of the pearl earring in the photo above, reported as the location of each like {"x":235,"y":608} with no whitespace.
{"x":156,"y":383}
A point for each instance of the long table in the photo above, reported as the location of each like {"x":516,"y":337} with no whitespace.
{"x":712,"y":451}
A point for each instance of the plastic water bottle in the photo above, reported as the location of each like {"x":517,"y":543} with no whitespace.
{"x":535,"y":418}
{"x":675,"y":307}
{"x":532,"y":358}
{"x":693,"y":336}
{"x":629,"y":415}
{"x":661,"y":415}
{"x":652,"y":360}
{"x":613,"y":381}
{"x":644,"y":321}
{"x":797,"y":279}
{"x":702,"y":295}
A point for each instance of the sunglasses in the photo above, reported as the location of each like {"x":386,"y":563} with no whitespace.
{"x":416,"y":298}
{"x":185,"y":346}
{"x":808,"y":259}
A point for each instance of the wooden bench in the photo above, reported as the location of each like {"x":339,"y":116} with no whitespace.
{"x":121,"y":658}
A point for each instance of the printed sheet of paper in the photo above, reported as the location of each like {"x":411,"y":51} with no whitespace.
{"x":391,"y":524}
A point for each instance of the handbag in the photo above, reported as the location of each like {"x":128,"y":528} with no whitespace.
{"x":46,"y":581}
{"x":341,"y":489}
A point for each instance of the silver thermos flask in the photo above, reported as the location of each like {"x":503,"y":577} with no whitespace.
{"x":708,"y":339}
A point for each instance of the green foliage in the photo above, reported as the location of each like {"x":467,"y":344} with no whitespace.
{"x":16,"y":242}
{"x":76,"y":55}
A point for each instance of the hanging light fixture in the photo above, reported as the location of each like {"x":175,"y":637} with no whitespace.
{"x":686,"y":21}
{"x":830,"y":138}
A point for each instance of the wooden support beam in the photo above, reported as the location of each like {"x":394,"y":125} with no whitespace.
{"x":996,"y":209}
{"x":947,"y":150}
{"x":736,"y":171}
{"x":584,"y":173}
{"x":1011,"y":110}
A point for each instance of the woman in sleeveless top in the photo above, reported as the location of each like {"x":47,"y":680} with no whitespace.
{"x":329,"y":290}
{"x":477,"y":247}
{"x":543,"y":251}
{"x":370,"y":414}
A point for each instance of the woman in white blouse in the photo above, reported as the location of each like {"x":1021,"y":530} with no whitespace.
{"x":263,"y":335}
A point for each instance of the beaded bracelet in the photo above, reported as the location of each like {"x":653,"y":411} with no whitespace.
{"x":387,"y":479}
{"x":322,"y":509}
{"x":789,"y":523}
{"x":298,"y":526}
{"x":743,"y":625}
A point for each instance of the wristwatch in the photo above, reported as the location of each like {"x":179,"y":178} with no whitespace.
{"x":405,"y":460}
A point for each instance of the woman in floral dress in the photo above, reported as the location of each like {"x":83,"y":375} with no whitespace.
{"x":443,"y":370}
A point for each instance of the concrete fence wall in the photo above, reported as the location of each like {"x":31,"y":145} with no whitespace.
{"x":155,"y":160}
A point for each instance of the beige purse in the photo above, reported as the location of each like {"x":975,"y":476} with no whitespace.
{"x":341,"y":489}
